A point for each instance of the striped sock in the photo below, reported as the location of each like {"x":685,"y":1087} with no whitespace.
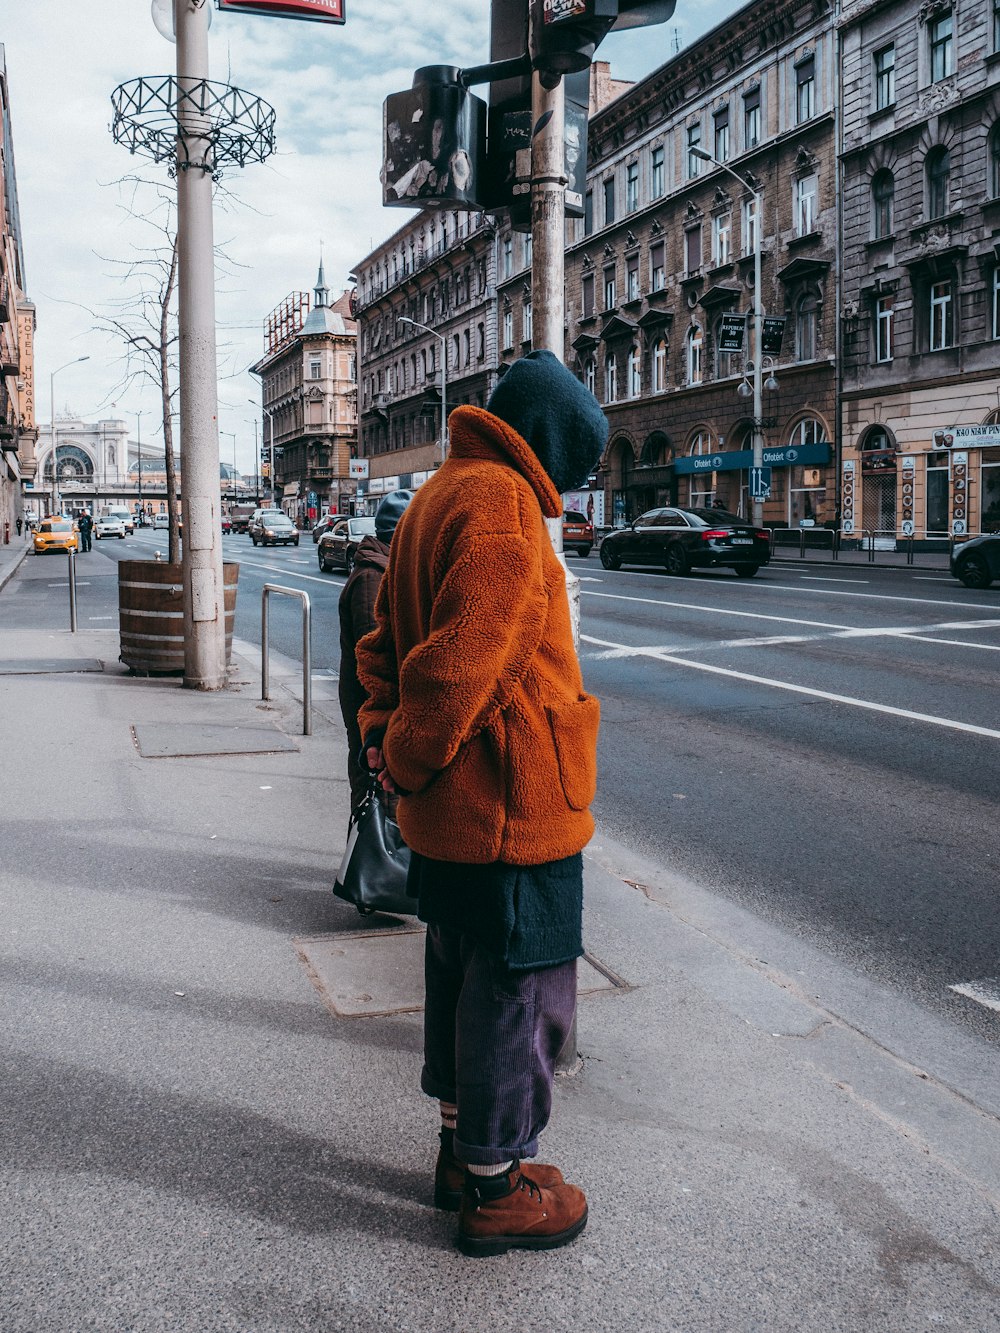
{"x":449,"y":1115}
{"x":494,"y":1170}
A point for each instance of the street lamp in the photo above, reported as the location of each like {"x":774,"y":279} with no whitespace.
{"x":757,"y":503}
{"x":256,"y":451}
{"x":269,"y":418}
{"x":55,"y":446}
{"x":138,"y":426}
{"x":403,"y":319}
{"x":232,"y":480}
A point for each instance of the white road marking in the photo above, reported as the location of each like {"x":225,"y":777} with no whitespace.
{"x":985,"y":992}
{"x":820,"y":578}
{"x":715,"y":610}
{"x":312,"y":578}
{"x":950,"y":723}
{"x":932,"y":578}
{"x":102,"y":617}
{"x":876,"y":596}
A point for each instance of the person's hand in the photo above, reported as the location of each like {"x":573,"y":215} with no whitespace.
{"x":376,"y":763}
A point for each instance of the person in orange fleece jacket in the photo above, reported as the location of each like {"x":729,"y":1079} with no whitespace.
{"x":477,"y":716}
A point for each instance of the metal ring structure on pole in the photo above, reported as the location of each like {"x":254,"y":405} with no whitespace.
{"x":155,"y":116}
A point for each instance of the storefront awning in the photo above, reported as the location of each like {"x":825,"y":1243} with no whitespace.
{"x":791,"y":455}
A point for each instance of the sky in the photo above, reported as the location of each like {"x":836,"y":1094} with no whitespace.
{"x":327,"y":84}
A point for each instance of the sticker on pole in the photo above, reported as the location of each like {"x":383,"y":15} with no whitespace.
{"x":319,"y":11}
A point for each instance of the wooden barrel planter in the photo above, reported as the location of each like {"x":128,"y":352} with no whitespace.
{"x":151,"y":615}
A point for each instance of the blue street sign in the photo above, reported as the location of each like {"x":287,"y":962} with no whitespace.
{"x":760,"y":482}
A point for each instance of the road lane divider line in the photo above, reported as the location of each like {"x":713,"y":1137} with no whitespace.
{"x":820,"y":578}
{"x":869,"y":705}
{"x":276,"y":569}
{"x":873,"y":596}
{"x":986,"y":992}
{"x":713,"y":610}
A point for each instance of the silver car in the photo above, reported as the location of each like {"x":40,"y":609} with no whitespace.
{"x":268,"y":527}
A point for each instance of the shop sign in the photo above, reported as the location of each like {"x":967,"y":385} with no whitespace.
{"x":847,"y":496}
{"x":789,"y":455}
{"x":358,"y":467}
{"x":907,"y":474}
{"x":959,"y":493}
{"x":319,"y":11}
{"x":771,"y":334}
{"x":732,"y":329}
{"x":967,"y":437}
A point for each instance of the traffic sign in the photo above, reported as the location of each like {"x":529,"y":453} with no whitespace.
{"x":760,"y":483}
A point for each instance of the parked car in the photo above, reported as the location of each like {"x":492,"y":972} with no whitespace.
{"x":161,"y":520}
{"x":339,"y":545}
{"x":976,"y":563}
{"x":324,"y":525}
{"x":680,"y":540}
{"x":268,"y":527}
{"x":55,"y":534}
{"x":109,"y":525}
{"x":578,"y":534}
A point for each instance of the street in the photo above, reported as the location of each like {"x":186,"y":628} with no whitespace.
{"x":818,"y":745}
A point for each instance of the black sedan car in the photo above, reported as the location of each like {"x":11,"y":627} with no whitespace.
{"x":680,"y":540}
{"x":338,"y":545}
{"x":976,"y":563}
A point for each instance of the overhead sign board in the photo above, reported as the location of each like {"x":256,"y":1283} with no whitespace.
{"x":967,"y":437}
{"x":358,"y":467}
{"x":771,"y":334}
{"x":732,"y":329}
{"x":319,"y":11}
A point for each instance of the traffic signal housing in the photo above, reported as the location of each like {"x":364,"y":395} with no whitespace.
{"x":564,"y":34}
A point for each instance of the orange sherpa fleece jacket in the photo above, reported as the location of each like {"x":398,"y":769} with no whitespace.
{"x":471,"y":672}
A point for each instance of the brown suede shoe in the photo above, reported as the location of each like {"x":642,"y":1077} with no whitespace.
{"x":449,"y":1177}
{"x":514,"y":1212}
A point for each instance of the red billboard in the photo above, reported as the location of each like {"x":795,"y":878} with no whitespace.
{"x":320,"y":11}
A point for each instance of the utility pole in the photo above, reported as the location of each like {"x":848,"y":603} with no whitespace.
{"x":201,"y":549}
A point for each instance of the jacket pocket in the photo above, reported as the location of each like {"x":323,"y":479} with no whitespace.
{"x":574,"y":730}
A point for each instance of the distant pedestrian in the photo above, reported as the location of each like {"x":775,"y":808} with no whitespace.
{"x":478,"y":718}
{"x":18,"y":523}
{"x":86,"y":526}
{"x":357,"y":618}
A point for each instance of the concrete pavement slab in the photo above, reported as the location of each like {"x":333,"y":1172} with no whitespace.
{"x":176,"y":739}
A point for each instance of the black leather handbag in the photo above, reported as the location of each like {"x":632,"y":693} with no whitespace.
{"x":372,"y":874}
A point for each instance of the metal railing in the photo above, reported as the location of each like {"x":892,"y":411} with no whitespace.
{"x":306,"y":648}
{"x":807,"y":539}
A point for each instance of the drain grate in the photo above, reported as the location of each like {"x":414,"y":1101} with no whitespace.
{"x":188,"y":740}
{"x":370,"y":974}
{"x":43,"y":666}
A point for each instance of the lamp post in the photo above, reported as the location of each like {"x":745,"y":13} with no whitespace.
{"x":256,"y":451}
{"x":55,"y":446}
{"x":757,"y":503}
{"x":138,"y":427}
{"x":403,"y":319}
{"x":232,"y":480}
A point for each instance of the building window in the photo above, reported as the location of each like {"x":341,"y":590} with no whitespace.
{"x":938,"y":171}
{"x":936,"y":510}
{"x":996,"y":26}
{"x":942,"y":330}
{"x":996,"y":302}
{"x":610,"y":378}
{"x":508,"y":256}
{"x":527,"y":249}
{"x":631,"y":187}
{"x":610,"y":292}
{"x":590,"y":373}
{"x":634,"y":373}
{"x":807,"y":432}
{"x":692,"y":249}
{"x":751,"y":118}
{"x":806,"y":191}
{"x":884,"y":62}
{"x":805,"y":329}
{"x":466,"y":347}
{"x":805,"y":90}
{"x":508,"y":329}
{"x":587,"y":292}
{"x":720,"y":123}
{"x":480,"y":342}
{"x":994,"y":156}
{"x":660,"y":366}
{"x":632,"y":278}
{"x":609,"y":201}
{"x":588,"y":212}
{"x":722,"y":239}
{"x":695,"y":349}
{"x":657,"y":267}
{"x":693,"y":141}
{"x":884,"y":328}
{"x":942,"y":48}
{"x":749,"y":227}
{"x":315,"y":369}
{"x":883,"y":199}
{"x":526,"y":328}
{"x":656,"y":176}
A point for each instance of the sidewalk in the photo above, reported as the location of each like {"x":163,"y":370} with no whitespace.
{"x":209,"y":1067}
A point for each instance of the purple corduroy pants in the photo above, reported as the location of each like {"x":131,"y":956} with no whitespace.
{"x":491,"y":1039}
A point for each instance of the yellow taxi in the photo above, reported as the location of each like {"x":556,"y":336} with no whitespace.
{"x":55,"y":534}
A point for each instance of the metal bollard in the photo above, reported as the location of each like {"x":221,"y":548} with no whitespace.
{"x":71,"y":558}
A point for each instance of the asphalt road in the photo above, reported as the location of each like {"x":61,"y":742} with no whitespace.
{"x":820,"y":744}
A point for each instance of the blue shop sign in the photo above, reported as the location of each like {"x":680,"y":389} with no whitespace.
{"x":789,"y":455}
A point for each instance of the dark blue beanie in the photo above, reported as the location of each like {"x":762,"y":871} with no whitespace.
{"x":389,"y":512}
{"x":560,"y":419}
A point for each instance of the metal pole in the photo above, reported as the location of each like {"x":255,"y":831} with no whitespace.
{"x":201,"y":550}
{"x":138,"y":426}
{"x":756,"y":502}
{"x":55,"y":446}
{"x":71,"y":560}
{"x":444,"y":390}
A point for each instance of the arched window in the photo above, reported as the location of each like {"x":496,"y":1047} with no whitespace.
{"x":938,"y":170}
{"x":610,"y":379}
{"x":456,"y":348}
{"x":805,"y":329}
{"x":634,"y":373}
{"x":994,"y":161}
{"x":590,"y":373}
{"x":695,"y":348}
{"x":883,"y":200}
{"x":659,"y":365}
{"x":808,"y":431}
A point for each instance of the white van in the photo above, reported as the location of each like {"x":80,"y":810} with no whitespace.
{"x":119,"y":511}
